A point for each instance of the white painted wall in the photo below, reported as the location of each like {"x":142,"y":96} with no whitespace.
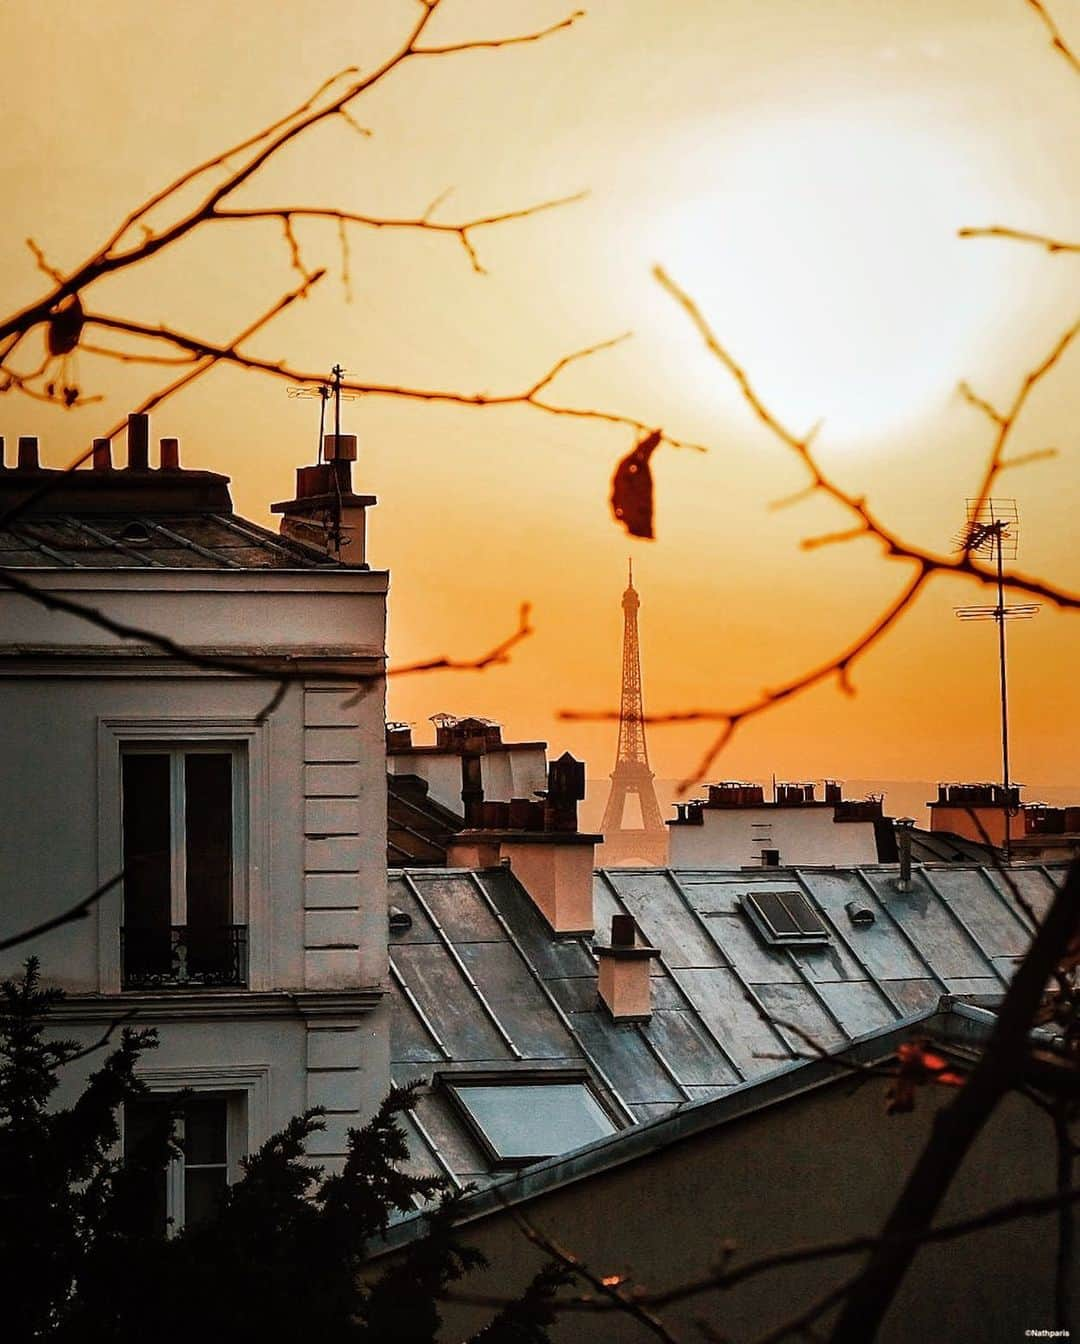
{"x":306,"y":1030}
{"x":506,"y":772}
{"x":733,"y":837}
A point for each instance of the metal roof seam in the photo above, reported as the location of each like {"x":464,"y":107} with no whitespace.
{"x":691,"y":1006}
{"x":843,"y":939}
{"x":962,"y":924}
{"x":466,"y":974}
{"x":411,"y":999}
{"x":747,"y":987}
{"x":562,"y":1016}
{"x":113,"y":543}
{"x":905,"y":936}
{"x":190,"y":545}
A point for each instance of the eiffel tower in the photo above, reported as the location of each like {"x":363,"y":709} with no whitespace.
{"x":646,"y":844}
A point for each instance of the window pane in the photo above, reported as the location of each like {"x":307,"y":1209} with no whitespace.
{"x":538,"y":1120}
{"x":203,"y":1190}
{"x":204,"y":1132}
{"x":147,"y":830}
{"x":774,"y":911}
{"x":208,"y":818}
{"x":148,"y":1124}
{"x":803,"y":913}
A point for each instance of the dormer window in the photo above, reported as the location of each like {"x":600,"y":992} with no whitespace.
{"x":184,"y":862}
{"x":785,"y":918}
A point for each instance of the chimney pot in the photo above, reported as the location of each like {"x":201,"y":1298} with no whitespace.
{"x":28,"y":452}
{"x":3,"y":464}
{"x":102,"y":460}
{"x":339,"y":447}
{"x":138,"y":441}
{"x":170,"y":454}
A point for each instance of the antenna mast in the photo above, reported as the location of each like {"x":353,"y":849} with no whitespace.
{"x":993,"y":528}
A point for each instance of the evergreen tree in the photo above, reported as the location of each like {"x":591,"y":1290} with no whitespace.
{"x":280,"y":1259}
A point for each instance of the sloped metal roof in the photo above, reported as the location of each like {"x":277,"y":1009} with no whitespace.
{"x":136,"y":540}
{"x":481,"y":984}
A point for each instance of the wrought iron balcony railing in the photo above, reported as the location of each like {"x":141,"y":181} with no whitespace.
{"x":184,"y":956}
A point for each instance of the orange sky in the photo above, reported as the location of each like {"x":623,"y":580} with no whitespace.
{"x":801,"y":169}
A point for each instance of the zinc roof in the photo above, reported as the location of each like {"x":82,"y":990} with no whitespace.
{"x":480,"y":983}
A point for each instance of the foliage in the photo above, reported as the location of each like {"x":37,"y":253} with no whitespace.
{"x":281,"y":1259}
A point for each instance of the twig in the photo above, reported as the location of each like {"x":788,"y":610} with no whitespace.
{"x":1056,"y":40}
{"x":959,"y":1123}
{"x":79,"y":910}
{"x":609,"y":1288}
{"x":1020,"y":236}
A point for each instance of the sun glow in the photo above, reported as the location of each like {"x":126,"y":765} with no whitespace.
{"x":825,"y":253}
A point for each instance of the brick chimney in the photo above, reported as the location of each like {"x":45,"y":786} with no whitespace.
{"x":624,"y":975}
{"x":540,"y":840}
{"x":325,"y":512}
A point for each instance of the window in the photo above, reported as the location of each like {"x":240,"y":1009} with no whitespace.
{"x":785,"y":917}
{"x":189,"y":1189}
{"x":183,"y":867}
{"x":518,"y":1123}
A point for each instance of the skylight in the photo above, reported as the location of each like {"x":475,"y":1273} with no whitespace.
{"x":785,"y":918}
{"x":523,"y":1122}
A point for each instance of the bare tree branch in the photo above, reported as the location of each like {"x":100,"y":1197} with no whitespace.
{"x":957,"y":1125}
{"x":1056,"y":40}
{"x":79,"y":910}
{"x":925,"y":564}
{"x":1020,"y":236}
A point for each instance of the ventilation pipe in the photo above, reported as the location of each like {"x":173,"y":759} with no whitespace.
{"x":904,"y":827}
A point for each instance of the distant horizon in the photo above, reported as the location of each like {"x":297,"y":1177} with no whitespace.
{"x":903,"y":797}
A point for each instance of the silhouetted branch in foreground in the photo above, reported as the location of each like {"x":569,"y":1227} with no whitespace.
{"x":865,"y":523}
{"x":1019,"y":236}
{"x":1057,"y":41}
{"x":957,"y":1125}
{"x":79,"y":910}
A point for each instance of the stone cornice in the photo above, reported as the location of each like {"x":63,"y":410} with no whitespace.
{"x":215,"y":1005}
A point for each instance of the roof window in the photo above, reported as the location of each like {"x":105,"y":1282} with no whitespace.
{"x":785,"y":918}
{"x":518,"y":1123}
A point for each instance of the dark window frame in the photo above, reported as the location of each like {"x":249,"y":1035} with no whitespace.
{"x":192,"y":950}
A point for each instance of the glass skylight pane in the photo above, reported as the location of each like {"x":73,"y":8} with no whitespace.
{"x":536,"y":1120}
{"x":774,"y":912}
{"x":802,"y":912}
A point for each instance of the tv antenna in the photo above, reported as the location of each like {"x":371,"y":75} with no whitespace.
{"x":324,"y":391}
{"x":993,"y":529}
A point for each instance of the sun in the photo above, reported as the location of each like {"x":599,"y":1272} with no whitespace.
{"x":825,"y":252}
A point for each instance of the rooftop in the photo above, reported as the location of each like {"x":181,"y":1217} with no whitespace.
{"x":135,"y":517}
{"x":483,"y":989}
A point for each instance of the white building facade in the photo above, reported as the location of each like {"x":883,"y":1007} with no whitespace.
{"x":246,"y":814}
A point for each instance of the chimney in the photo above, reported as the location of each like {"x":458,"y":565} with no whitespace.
{"x":325,"y":513}
{"x":549,"y":856}
{"x":138,"y":442}
{"x":28,"y":452}
{"x":624,"y":966}
{"x":3,"y":464}
{"x":904,"y":827}
{"x":102,"y":455}
{"x":170,"y":454}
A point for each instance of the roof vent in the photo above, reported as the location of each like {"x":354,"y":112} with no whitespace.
{"x":135,"y":533}
{"x":860,"y":915}
{"x":400,"y":920}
